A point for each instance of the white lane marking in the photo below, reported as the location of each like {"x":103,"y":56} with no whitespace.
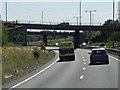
{"x":84,"y":63}
{"x":81,"y":77}
{"x":115,"y":58}
{"x":84,"y":60}
{"x":84,"y":68}
{"x":34,"y":75}
{"x":83,"y":57}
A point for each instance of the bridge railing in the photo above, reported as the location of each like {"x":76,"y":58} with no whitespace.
{"x":51,"y":22}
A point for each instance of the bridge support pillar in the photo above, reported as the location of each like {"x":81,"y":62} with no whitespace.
{"x":25,"y":37}
{"x":76,"y":39}
{"x":45,"y":39}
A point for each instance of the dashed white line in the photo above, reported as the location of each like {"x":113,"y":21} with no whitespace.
{"x":83,"y":57}
{"x":33,"y":75}
{"x":84,"y":60}
{"x":81,"y":77}
{"x":84,"y":63}
{"x":84,"y":68}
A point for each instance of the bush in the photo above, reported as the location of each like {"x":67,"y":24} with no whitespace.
{"x":36,"y":53}
{"x":42,"y":45}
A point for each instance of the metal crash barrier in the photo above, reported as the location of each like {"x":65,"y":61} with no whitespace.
{"x":112,"y":51}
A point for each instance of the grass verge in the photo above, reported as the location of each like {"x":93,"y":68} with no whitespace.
{"x":51,"y":42}
{"x":19,"y":61}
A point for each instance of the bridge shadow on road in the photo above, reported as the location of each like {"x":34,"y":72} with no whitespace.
{"x":65,"y":60}
{"x":92,"y":64}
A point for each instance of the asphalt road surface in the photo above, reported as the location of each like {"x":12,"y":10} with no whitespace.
{"x":76,"y":74}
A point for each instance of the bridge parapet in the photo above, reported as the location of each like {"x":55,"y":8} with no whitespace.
{"x":56,"y":26}
{"x":70,"y":27}
{"x":51,"y":22}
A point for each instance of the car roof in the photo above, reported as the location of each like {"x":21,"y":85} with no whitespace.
{"x":98,"y":49}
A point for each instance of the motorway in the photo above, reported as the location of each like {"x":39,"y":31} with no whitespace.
{"x":76,"y":74}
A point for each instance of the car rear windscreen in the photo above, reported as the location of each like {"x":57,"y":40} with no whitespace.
{"x":98,"y":52}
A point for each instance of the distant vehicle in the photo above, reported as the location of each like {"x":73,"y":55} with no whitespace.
{"x":64,"y":24}
{"x":102,"y":45}
{"x":83,"y":44}
{"x":99,"y":55}
{"x":66,"y":51}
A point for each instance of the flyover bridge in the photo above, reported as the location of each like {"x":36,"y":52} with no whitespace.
{"x":76,"y":28}
{"x":70,"y":27}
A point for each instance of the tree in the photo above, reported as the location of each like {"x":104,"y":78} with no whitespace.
{"x":31,"y":38}
{"x":4,"y":35}
{"x":114,"y":36}
{"x":36,"y":53}
{"x":106,"y":36}
{"x":110,"y":22}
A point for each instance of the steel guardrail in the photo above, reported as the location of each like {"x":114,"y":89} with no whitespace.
{"x":112,"y":51}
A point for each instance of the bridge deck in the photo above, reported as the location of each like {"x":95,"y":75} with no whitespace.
{"x":71,"y":27}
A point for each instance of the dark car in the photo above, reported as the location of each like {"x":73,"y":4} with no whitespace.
{"x":64,"y":24}
{"x":99,"y":55}
{"x":102,"y":44}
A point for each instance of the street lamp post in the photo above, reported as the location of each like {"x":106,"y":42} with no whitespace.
{"x":6,"y":9}
{"x":42,"y":17}
{"x":90,"y":22}
{"x":93,"y":19}
{"x":80,"y":11}
{"x":90,"y":14}
{"x":113,"y":19}
{"x":76,"y":19}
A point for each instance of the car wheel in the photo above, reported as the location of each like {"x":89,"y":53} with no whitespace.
{"x":91,"y":62}
{"x":73,"y":58}
{"x":107,"y":62}
{"x":61,"y":59}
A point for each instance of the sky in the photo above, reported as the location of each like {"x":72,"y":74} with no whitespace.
{"x":59,"y":0}
{"x":56,"y":11}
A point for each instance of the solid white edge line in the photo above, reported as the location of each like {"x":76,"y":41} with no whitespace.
{"x":115,"y":58}
{"x":33,"y":75}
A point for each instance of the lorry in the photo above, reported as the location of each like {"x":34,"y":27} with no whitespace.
{"x":66,"y":51}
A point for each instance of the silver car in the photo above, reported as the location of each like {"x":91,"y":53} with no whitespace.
{"x":99,"y":55}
